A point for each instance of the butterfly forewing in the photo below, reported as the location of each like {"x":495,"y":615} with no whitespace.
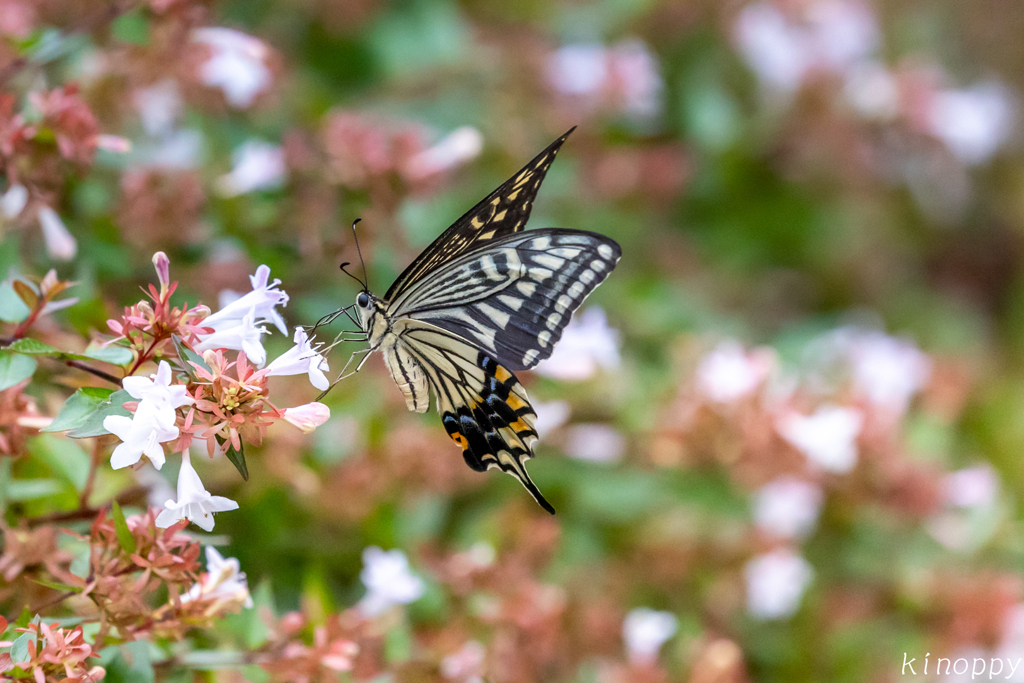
{"x":503,"y":212}
{"x":514,"y":298}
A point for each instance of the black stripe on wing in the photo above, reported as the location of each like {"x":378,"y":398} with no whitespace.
{"x":483,"y":406}
{"x":502,"y":212}
{"x":515,"y":298}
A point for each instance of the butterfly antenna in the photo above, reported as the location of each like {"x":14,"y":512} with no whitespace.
{"x":366,"y":280}
{"x":343,"y":266}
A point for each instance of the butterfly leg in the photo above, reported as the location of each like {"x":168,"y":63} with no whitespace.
{"x":343,"y":374}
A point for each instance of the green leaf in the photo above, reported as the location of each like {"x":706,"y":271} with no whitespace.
{"x":12,"y":308}
{"x":78,"y":408}
{"x":22,"y":490}
{"x":19,"y":649}
{"x":131,"y":27}
{"x":64,"y":458}
{"x":113,"y":354}
{"x":58,"y":586}
{"x":93,"y":425}
{"x":34,"y":347}
{"x":15,"y":368}
{"x":128,"y":663}
{"x":186,"y":354}
{"x":237,"y":459}
{"x":124,"y":536}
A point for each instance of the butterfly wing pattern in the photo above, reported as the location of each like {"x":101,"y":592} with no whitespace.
{"x":484,"y":299}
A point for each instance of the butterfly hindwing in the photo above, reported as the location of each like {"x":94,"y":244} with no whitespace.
{"x":502,"y":212}
{"x":483,"y":407}
{"x":514,"y":298}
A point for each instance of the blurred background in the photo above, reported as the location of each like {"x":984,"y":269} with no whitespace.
{"x":784,"y":438}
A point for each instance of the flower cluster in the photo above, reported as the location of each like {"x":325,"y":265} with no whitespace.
{"x":52,"y":654}
{"x":218,"y":402}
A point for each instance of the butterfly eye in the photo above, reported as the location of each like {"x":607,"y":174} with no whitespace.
{"x":363,"y":300}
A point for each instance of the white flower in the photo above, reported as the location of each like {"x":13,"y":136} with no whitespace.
{"x":787,"y":507}
{"x":237,"y":66}
{"x":178,"y":150}
{"x":466,"y":665}
{"x":971,"y":487}
{"x":194,"y":502}
{"x":302,"y":359}
{"x":550,"y":416}
{"x":831,"y":35}
{"x":141,"y":435}
{"x":645,"y":630}
{"x":886,"y":370}
{"x":872,"y":91}
{"x":729,"y":373}
{"x":776,"y":582}
{"x":263,"y":300}
{"x":159,"y":106}
{"x":153,"y":422}
{"x":245,"y":335}
{"x":256,"y":165}
{"x":13,"y":201}
{"x":157,"y":390}
{"x":580,"y":69}
{"x":461,"y":145}
{"x":843,"y":33}
{"x":388,"y":581}
{"x":60,"y":244}
{"x":639,"y":77}
{"x":307,"y":417}
{"x":587,"y":343}
{"x":777,"y":50}
{"x":828,"y":438}
{"x":970,"y":514}
{"x":223,"y":580}
{"x":973,"y":122}
{"x":594,"y":443}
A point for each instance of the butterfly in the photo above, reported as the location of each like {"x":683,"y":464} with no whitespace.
{"x":483,"y":300}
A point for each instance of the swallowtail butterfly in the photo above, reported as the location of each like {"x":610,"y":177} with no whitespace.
{"x":484,"y":299}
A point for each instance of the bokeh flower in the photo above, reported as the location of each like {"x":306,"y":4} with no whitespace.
{"x":237,"y":65}
{"x":588,"y":344}
{"x":787,"y":507}
{"x":256,"y":165}
{"x":776,"y":582}
{"x":645,"y":630}
{"x":388,"y":581}
{"x":828,"y":437}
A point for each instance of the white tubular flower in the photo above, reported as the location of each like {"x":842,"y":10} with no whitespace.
{"x":302,"y":359}
{"x":588,"y":343}
{"x":262,"y":301}
{"x":729,"y":373}
{"x":223,"y":581}
{"x":388,"y":581}
{"x":787,"y":507}
{"x":159,"y":106}
{"x":244,"y":336}
{"x":594,"y":442}
{"x":13,"y":201}
{"x":776,"y":582}
{"x":461,"y":145}
{"x":973,"y":122}
{"x":645,"y":630}
{"x":60,"y":244}
{"x":157,"y":390}
{"x":141,"y":435}
{"x":238,"y":64}
{"x":828,"y":438}
{"x":550,"y":416}
{"x":307,"y":417}
{"x":194,"y":503}
{"x":256,"y":165}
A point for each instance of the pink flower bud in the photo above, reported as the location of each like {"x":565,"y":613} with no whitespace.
{"x":308,"y":417}
{"x":163,"y":269}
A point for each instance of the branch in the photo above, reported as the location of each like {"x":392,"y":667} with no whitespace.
{"x":94,"y":371}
